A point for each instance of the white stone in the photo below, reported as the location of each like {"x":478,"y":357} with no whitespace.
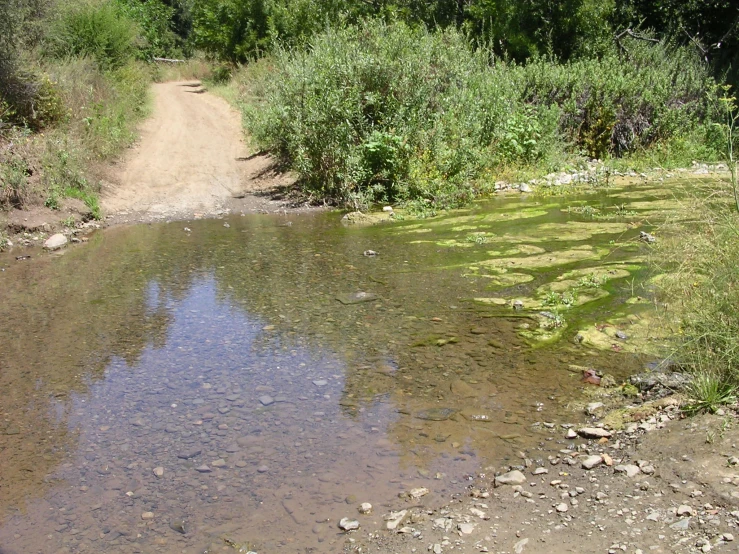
{"x":365,"y":508}
{"x":685,"y":510}
{"x":594,"y":433}
{"x":418,"y":493}
{"x":514,"y":477}
{"x":592,"y":461}
{"x":394,"y":519}
{"x":629,"y":469}
{"x":466,"y":528}
{"x":348,"y":524}
{"x":562,"y":508}
{"x":55,"y":242}
{"x":158,"y":471}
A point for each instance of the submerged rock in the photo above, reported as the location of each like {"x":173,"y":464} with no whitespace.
{"x":347,"y":524}
{"x":356,"y":297}
{"x":436,"y":414}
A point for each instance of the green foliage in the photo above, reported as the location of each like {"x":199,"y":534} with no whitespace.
{"x":709,"y":391}
{"x":233,"y":30}
{"x":155,"y":20}
{"x":96,"y":30}
{"x":389,"y":113}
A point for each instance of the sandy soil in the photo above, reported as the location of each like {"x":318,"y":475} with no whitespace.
{"x":191,"y":161}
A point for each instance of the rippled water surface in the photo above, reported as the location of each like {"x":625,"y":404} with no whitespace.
{"x":223,"y":380}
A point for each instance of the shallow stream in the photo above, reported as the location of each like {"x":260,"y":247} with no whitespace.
{"x":228,"y":381}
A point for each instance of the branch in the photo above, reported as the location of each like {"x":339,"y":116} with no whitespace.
{"x":632,"y":34}
{"x":168,"y":60}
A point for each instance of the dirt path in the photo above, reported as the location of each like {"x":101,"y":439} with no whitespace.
{"x":191,"y":160}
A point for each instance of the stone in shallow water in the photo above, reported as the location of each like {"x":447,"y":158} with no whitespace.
{"x":54,"y":242}
{"x":187,"y":454}
{"x":356,"y":297}
{"x":348,"y":524}
{"x":266,"y":400}
{"x":436,"y":414}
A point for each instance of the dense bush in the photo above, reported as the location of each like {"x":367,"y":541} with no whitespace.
{"x":623,"y":101}
{"x":98,"y":30}
{"x":390,"y":113}
{"x":155,"y":21}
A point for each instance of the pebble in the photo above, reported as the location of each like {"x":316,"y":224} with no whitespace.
{"x":178,"y":525}
{"x":514,"y":477}
{"x":418,"y":492}
{"x":266,"y":400}
{"x":629,"y":469}
{"x":562,"y":508}
{"x":540,"y":471}
{"x":571,"y":434}
{"x":263,"y":469}
{"x":466,"y":528}
{"x":681,"y":525}
{"x":594,"y":433}
{"x":187,"y":454}
{"x":365,"y":508}
{"x":348,"y":524}
{"x":158,"y":471}
{"x":203,"y":469}
{"x":395,"y":518}
{"x":592,"y":461}
{"x":685,"y":510}
{"x":147,"y":515}
{"x":320,"y":382}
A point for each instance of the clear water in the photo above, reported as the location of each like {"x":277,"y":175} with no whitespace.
{"x":223,"y":356}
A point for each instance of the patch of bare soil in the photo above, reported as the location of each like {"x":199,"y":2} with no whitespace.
{"x":191,"y":161}
{"x":663,"y":485}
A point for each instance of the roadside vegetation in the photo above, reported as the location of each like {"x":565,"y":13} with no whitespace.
{"x":699,"y":257}
{"x":74,"y":80}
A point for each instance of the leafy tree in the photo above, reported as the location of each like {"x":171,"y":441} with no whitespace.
{"x":155,"y":19}
{"x":233,"y":30}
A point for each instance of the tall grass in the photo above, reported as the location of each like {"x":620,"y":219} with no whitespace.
{"x":388,"y":113}
{"x":699,"y":256}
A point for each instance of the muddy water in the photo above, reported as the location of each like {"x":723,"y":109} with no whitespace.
{"x":227,"y":382}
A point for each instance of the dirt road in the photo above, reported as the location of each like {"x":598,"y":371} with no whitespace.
{"x":191,"y":160}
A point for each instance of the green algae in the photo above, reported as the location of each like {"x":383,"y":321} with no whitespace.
{"x":548,"y":259}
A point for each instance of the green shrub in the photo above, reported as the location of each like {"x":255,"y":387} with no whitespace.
{"x":97,"y":30}
{"x":154,"y":19}
{"x":388,"y":113}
